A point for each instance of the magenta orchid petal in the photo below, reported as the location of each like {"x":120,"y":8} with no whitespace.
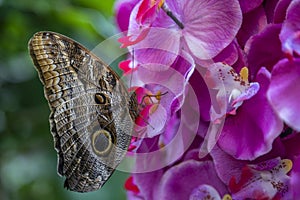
{"x":161,"y":47}
{"x":170,"y":132}
{"x":291,"y":145}
{"x":132,"y":196}
{"x":295,"y":177}
{"x":247,"y":6}
{"x":284,"y":91}
{"x":290,"y":33}
{"x":245,"y":135}
{"x":193,"y":154}
{"x":264,"y":49}
{"x":212,"y":18}
{"x":194,"y":173}
{"x":269,"y":7}
{"x":241,"y":61}
{"x":253,"y":23}
{"x":278,"y":150}
{"x":226,"y":165}
{"x":280,"y":10}
{"x":157,"y":119}
{"x":204,"y":192}
{"x":123,"y":10}
{"x":143,"y":181}
{"x":203,"y":96}
{"x":229,"y":55}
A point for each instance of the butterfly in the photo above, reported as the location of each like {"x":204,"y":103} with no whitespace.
{"x":92,"y":113}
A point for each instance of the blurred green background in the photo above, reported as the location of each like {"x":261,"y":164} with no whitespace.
{"x":27,"y":157}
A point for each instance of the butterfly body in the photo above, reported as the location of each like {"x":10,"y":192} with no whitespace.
{"x":92,"y":114}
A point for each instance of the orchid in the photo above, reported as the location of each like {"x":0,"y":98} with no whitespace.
{"x":217,"y":84}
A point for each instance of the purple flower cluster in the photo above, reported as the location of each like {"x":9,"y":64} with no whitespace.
{"x":218,"y":85}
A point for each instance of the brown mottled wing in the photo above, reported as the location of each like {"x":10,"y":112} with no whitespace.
{"x":91,"y":112}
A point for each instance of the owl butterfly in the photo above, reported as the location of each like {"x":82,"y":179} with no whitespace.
{"x":92,"y":113}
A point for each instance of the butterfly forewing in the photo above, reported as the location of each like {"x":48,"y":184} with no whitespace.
{"x":92,"y":113}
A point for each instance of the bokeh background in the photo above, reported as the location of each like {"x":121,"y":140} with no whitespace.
{"x":27,"y":157}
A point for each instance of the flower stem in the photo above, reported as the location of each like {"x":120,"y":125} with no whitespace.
{"x":170,"y":14}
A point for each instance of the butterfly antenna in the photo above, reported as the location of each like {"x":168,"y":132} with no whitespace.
{"x":157,"y":96}
{"x":144,"y":120}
